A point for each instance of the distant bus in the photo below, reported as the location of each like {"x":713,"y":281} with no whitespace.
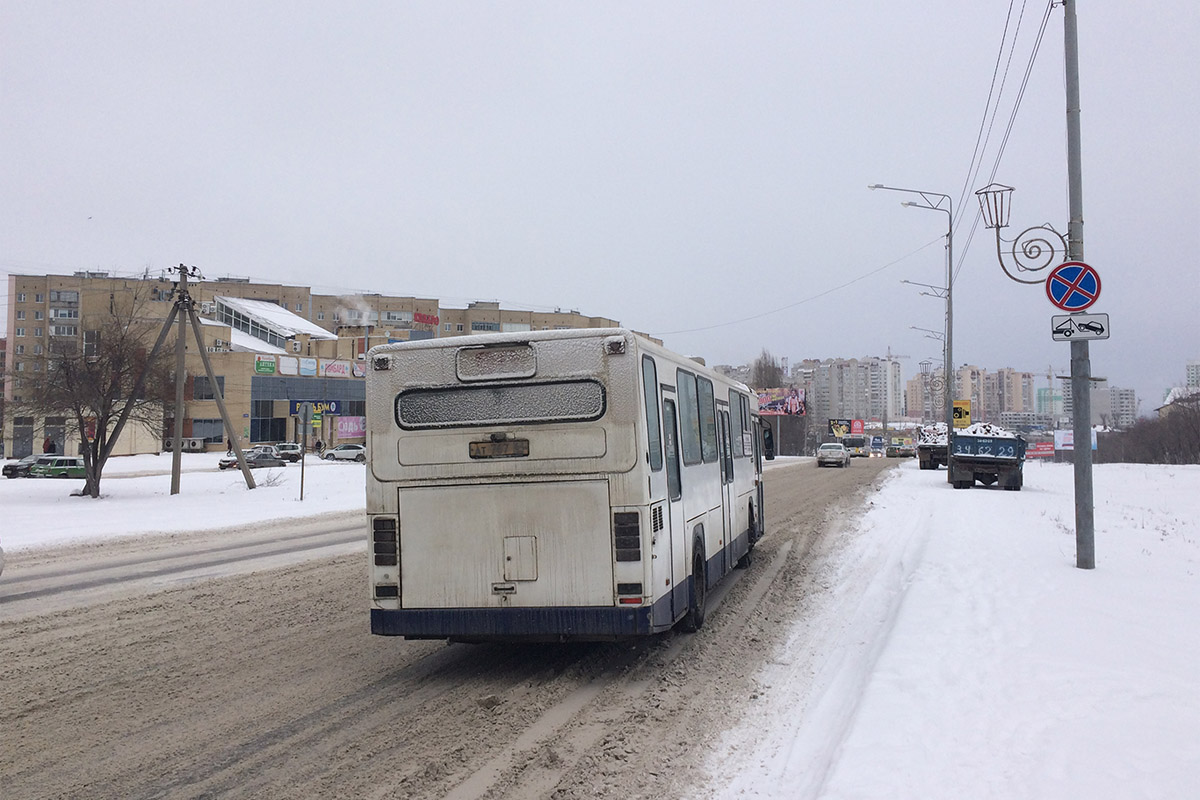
{"x":554,"y":485}
{"x":858,"y":445}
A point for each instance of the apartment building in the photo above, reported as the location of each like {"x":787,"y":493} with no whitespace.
{"x":272,"y":347}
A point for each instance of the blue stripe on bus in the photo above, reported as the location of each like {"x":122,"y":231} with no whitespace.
{"x":513,"y":623}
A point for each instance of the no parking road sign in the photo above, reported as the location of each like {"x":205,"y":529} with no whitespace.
{"x":1073,"y":286}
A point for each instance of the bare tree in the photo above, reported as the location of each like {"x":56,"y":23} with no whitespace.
{"x":765,"y":372}
{"x":1171,"y":439}
{"x":94,"y":385}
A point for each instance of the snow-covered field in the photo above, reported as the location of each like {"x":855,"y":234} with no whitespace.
{"x":136,"y":499}
{"x":955,"y":652}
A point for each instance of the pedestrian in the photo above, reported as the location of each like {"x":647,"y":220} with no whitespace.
{"x":228,"y":446}
{"x":48,"y":445}
{"x":320,"y":446}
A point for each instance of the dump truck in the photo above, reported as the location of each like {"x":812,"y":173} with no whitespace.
{"x":988,"y":454}
{"x":931,"y":447}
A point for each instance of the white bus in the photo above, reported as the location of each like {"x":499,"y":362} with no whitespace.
{"x":556,"y":485}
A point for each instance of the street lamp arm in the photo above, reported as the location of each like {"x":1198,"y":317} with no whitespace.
{"x":933,"y":202}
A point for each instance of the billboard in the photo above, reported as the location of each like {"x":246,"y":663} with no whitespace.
{"x":782,"y":401}
{"x":840,"y":427}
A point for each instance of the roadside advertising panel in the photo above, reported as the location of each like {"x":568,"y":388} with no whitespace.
{"x":839,"y":427}
{"x":782,"y":401}
{"x":1040,"y":450}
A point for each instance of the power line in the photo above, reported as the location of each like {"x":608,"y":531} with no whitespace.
{"x":817,"y":296}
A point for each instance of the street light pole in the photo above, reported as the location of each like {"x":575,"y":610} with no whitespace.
{"x":933,"y":202}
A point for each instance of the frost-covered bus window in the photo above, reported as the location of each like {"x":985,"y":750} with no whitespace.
{"x":462,"y":406}
{"x":689,"y":418}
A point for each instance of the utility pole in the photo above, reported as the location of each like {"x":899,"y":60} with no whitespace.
{"x":1081,"y":364}
{"x":183,"y":308}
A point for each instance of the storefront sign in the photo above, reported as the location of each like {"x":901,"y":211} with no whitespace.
{"x":288,"y":366}
{"x":333,"y":407}
{"x":308,"y":366}
{"x":335,"y":369}
{"x":426,"y":319}
{"x":351,"y":427}
{"x":264,"y":365}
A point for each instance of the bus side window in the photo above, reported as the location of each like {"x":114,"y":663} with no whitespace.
{"x":726,"y":448}
{"x":650,"y":391}
{"x":671,"y":446}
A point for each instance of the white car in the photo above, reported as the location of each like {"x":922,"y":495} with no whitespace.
{"x":833,"y":454}
{"x":289,"y":451}
{"x":346,"y":452}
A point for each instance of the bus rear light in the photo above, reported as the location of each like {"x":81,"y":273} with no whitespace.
{"x":630,"y":601}
{"x":627,"y":535}
{"x":385,"y":543}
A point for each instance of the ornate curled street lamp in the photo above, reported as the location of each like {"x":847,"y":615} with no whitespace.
{"x":1033,"y":249}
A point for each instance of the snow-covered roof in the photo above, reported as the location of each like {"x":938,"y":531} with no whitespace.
{"x":275,"y":317}
{"x":245,"y":343}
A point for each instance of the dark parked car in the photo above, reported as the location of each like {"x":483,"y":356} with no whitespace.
{"x":20,"y":469}
{"x":254,"y":460}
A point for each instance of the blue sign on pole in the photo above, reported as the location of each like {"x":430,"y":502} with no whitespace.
{"x":1073,"y":286}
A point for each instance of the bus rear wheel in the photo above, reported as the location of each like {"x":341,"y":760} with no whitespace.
{"x":695,"y":615}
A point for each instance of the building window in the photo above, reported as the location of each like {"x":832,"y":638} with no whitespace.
{"x":39,"y":298}
{"x":20,"y":349}
{"x":485,"y":326}
{"x":299,"y":306}
{"x":210,"y":430}
{"x":91,"y":343}
{"x":21,"y":314}
{"x":447,"y":327}
{"x":64,"y":313}
{"x":20,"y":297}
{"x":459,"y":327}
{"x":64,"y":330}
{"x":263,"y":426}
{"x":37,"y":349}
{"x":37,"y":332}
{"x":20,"y":332}
{"x":202,"y":388}
{"x":320,"y":315}
{"x":38,"y":315}
{"x":64,"y":297}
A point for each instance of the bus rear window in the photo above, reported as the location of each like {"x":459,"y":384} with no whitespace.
{"x":471,"y":406}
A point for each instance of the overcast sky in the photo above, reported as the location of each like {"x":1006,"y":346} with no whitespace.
{"x":696,"y":170}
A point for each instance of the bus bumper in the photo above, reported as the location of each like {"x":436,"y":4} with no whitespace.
{"x":531,"y":624}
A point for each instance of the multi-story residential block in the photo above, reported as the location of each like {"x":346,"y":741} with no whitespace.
{"x":271,"y":346}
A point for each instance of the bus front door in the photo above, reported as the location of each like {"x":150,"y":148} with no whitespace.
{"x":676,"y":570}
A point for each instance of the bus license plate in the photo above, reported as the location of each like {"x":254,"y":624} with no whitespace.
{"x":509,"y":448}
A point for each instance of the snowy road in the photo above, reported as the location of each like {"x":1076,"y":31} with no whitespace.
{"x":267,"y":683}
